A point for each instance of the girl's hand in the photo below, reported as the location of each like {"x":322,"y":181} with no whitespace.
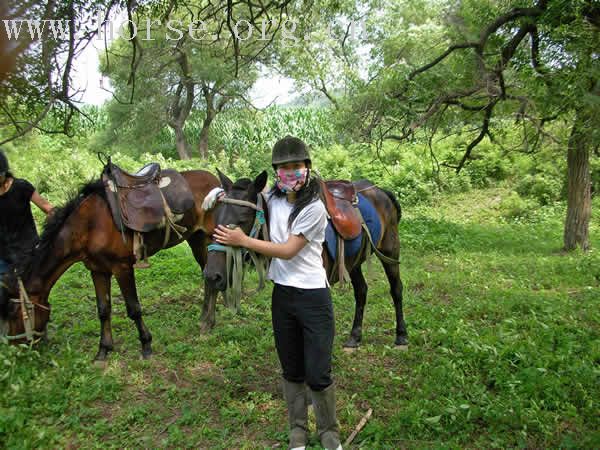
{"x":227,"y":236}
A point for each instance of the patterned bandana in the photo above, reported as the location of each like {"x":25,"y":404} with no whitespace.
{"x":291,"y":180}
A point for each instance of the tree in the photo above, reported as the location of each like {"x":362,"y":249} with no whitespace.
{"x":41,"y":81}
{"x":324,"y":56}
{"x":43,"y":57}
{"x":178,"y":76}
{"x":535,"y":62}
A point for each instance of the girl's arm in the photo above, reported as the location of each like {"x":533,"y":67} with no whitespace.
{"x":41,"y":202}
{"x":238,"y":238}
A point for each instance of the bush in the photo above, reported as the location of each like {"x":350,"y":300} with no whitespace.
{"x":515,"y":207}
{"x":543,"y":187}
{"x":488,"y":169}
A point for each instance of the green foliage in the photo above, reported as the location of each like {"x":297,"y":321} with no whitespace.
{"x":545,"y":188}
{"x":246,"y":138}
{"x":54,"y":165}
{"x":515,"y":207}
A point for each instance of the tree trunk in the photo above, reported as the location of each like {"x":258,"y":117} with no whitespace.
{"x":579,"y":202}
{"x":203,"y":144}
{"x":181,"y":143}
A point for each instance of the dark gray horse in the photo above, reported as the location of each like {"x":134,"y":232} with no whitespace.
{"x":388,"y":248}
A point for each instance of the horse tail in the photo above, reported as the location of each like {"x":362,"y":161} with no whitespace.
{"x":396,"y":203}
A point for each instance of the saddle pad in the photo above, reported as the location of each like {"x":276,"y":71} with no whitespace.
{"x":352,"y":246}
{"x":177,"y":191}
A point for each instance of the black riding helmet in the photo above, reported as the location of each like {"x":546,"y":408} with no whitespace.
{"x":289,"y":149}
{"x":3,"y":164}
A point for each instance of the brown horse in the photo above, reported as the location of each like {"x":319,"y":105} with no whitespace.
{"x":83,"y":230}
{"x":389,"y":212}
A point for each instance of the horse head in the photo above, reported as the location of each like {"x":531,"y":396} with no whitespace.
{"x":236,"y":206}
{"x":23,"y":312}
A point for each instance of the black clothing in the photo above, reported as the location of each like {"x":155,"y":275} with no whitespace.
{"x":303,"y":325}
{"x":18,"y":234}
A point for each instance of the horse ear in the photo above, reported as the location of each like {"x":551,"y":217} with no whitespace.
{"x":261,"y":181}
{"x":226,"y":183}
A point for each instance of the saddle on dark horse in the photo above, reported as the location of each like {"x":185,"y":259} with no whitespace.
{"x":344,"y":235}
{"x":148,"y":200}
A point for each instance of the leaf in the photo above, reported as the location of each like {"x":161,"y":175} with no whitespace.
{"x":434,"y":419}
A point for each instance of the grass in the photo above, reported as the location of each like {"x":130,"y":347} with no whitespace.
{"x":504,"y":350}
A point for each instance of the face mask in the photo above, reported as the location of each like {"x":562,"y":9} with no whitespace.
{"x":291,"y":180}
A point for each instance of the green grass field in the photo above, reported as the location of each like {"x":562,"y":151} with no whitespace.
{"x":504,"y":350}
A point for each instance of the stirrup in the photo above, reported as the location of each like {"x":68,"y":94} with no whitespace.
{"x":144,"y":264}
{"x":139,"y":250}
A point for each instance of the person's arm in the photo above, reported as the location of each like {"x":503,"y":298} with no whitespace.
{"x":41,"y":202}
{"x":237,"y":238}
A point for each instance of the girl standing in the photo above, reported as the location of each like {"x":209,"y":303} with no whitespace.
{"x":301,"y":307}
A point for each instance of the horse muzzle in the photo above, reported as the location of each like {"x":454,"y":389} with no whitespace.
{"x":216,"y":280}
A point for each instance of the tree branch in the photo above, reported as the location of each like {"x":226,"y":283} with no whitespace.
{"x":484,"y":131}
{"x":440,"y":58}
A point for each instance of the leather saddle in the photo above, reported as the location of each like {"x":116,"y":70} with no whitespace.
{"x":148,"y":199}
{"x":340,"y":199}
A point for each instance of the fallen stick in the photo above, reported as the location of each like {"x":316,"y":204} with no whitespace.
{"x":359,"y":427}
{"x":169,"y":423}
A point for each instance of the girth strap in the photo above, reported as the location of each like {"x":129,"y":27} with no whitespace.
{"x":373,"y":246}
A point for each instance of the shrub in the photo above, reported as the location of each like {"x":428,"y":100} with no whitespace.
{"x":515,"y":207}
{"x":543,"y":187}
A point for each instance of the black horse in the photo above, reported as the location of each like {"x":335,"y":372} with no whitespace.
{"x":388,"y":247}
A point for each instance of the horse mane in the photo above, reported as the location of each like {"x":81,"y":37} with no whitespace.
{"x":54,"y":224}
{"x":396,"y":203}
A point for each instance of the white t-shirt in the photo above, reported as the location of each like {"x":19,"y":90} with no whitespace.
{"x":305,"y":270}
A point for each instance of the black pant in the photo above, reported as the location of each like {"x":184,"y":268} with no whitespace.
{"x":303,"y":326}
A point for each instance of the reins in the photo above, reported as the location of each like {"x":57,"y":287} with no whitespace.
{"x":27,"y":315}
{"x":234,"y":256}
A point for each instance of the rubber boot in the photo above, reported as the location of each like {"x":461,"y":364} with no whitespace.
{"x":327,"y":425}
{"x":296,"y":399}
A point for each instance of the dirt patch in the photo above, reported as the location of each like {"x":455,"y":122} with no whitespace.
{"x":434,"y":267}
{"x":417,"y":287}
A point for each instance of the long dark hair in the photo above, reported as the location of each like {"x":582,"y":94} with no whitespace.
{"x":310,"y":192}
{"x":4,"y":167}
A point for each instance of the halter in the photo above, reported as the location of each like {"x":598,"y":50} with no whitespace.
{"x":235,"y":255}
{"x":27,"y":315}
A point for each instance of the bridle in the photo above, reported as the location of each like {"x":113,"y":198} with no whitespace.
{"x":27,"y":315}
{"x":234,"y":256}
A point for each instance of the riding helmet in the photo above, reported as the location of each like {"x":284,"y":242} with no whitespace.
{"x":289,"y":149}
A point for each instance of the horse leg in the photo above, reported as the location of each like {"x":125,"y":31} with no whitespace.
{"x":392,"y":272}
{"x":197,"y":242}
{"x":207,"y":319}
{"x":360,"y":288}
{"x":126,"y":280}
{"x":102,"y":286}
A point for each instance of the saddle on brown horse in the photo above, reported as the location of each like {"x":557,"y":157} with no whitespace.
{"x":340,"y":198}
{"x":148,"y":200}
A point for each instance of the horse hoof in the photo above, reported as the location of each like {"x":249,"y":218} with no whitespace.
{"x":352,"y":343}
{"x":101,"y":356}
{"x":401,"y":341}
{"x":401,"y":347}
{"x":100,"y":363}
{"x":349,"y":349}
